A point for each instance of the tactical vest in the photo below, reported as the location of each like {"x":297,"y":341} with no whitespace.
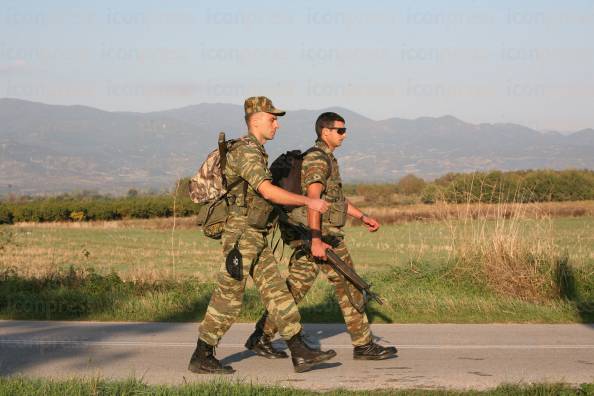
{"x":245,"y":201}
{"x":336,"y":215}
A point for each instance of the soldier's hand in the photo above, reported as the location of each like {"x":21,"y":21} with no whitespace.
{"x":318,"y":205}
{"x":318,"y":249}
{"x":371,"y":223}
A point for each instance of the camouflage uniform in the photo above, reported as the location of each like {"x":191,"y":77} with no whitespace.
{"x":248,"y":160}
{"x":303,"y":269}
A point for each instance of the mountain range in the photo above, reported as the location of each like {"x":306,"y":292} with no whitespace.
{"x":54,"y":148}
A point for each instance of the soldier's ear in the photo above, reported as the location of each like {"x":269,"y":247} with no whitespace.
{"x":255,"y":119}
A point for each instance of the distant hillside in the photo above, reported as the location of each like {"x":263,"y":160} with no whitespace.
{"x":48,"y":148}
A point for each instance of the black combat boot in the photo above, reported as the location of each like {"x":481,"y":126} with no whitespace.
{"x":203,"y":361}
{"x":262,"y":344}
{"x":373,"y":351}
{"x":304,"y":358}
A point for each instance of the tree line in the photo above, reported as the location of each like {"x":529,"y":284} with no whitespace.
{"x":488,"y":187}
{"x":89,"y":206}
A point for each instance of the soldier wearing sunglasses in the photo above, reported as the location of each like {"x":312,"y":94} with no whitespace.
{"x":320,"y":178}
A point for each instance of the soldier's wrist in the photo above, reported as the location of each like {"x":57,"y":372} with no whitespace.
{"x":316,"y":235}
{"x":310,"y":203}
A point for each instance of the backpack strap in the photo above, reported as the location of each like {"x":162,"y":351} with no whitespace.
{"x":325,"y":156}
{"x":245,"y":192}
{"x":235,"y":183}
{"x":224,"y":148}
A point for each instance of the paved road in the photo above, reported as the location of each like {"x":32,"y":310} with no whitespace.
{"x":442,"y":355}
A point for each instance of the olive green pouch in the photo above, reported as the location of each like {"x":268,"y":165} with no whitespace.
{"x":337,"y":213}
{"x":212,"y":217}
{"x":259,"y":212}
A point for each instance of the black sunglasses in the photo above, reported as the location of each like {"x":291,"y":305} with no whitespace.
{"x":340,"y":131}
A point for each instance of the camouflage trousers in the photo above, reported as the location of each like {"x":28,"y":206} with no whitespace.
{"x":303,"y":271}
{"x":259,"y":262}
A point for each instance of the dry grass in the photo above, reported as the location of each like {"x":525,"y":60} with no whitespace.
{"x":512,"y":257}
{"x":513,"y":249}
{"x":134,"y":253}
{"x":501,"y":267}
{"x":445,"y":211}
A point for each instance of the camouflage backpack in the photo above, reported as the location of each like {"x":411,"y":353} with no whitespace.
{"x":209,"y":188}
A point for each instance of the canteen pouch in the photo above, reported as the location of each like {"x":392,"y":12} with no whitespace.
{"x":212,"y":217}
{"x":259,"y":212}
{"x":337,"y":214}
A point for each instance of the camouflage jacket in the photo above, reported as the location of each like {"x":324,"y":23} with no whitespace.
{"x":247,"y":160}
{"x":314,"y":169}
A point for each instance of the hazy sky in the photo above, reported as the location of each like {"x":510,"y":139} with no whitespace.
{"x":527,"y":62}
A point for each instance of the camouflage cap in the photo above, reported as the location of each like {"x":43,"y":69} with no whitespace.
{"x":256,"y":104}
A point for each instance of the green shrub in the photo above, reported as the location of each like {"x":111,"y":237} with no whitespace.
{"x":6,"y":216}
{"x":518,"y":186}
{"x":430,"y":194}
{"x":410,"y":184}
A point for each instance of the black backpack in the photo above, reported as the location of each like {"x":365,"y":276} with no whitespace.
{"x":286,"y":169}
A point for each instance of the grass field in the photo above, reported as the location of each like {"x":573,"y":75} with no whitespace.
{"x":24,"y":386}
{"x":142,"y":252}
{"x":428,"y":272}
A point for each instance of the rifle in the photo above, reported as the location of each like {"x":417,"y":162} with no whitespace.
{"x":344,"y":270}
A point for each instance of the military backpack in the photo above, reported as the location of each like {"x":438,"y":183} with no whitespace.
{"x":286,"y":170}
{"x":209,"y":188}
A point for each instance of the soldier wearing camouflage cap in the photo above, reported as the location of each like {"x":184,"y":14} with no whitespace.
{"x":244,"y":239}
{"x":320,"y":177}
{"x":261,"y":104}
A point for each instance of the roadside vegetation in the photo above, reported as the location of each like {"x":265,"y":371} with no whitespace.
{"x":490,"y":258}
{"x":464,"y":271}
{"x":467,"y":188}
{"x":24,"y":386}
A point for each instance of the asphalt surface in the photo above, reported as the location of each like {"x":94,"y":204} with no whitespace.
{"x":430,"y":356}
